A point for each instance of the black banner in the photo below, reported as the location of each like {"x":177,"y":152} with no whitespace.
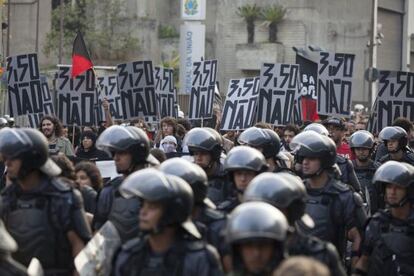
{"x":34,"y":119}
{"x":108,"y":88}
{"x":165,"y":91}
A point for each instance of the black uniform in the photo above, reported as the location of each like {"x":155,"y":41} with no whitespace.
{"x":335,"y":209}
{"x":348,"y":175}
{"x":365,"y":175}
{"x":390,"y":244}
{"x":122,"y":212}
{"x":8,"y":266}
{"x":408,"y":157}
{"x":39,"y":221}
{"x":184,"y":258}
{"x":218,"y":187}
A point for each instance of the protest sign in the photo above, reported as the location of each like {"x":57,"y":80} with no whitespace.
{"x":23,"y":85}
{"x":278,"y":88}
{"x":137,"y":90}
{"x":165,"y":91}
{"x":335,"y":79}
{"x":240,"y":106}
{"x":108,"y":88}
{"x":305,"y":102}
{"x":48,"y":109}
{"x":395,"y":98}
{"x":204,"y":76}
{"x":75,"y":97}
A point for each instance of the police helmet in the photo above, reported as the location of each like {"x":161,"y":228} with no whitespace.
{"x":125,"y":139}
{"x":394,"y":172}
{"x":3,"y":123}
{"x":266,"y":139}
{"x":282,"y":190}
{"x":172,"y":192}
{"x":312,"y":144}
{"x":361,"y":139}
{"x":394,"y":133}
{"x":193,"y":174}
{"x":29,"y":145}
{"x":245,"y":158}
{"x":204,"y":139}
{"x":318,"y":128}
{"x":334,"y":121}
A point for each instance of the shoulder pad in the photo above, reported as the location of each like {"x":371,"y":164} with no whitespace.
{"x":60,"y":184}
{"x":340,"y":159}
{"x":381,"y":214}
{"x":133,"y":244}
{"x":195,"y":245}
{"x":384,"y":158}
{"x":410,"y":157}
{"x":113,"y":182}
{"x":214,"y":214}
{"x":225,"y":204}
{"x":358,"y":199}
{"x":315,"y":244}
{"x":338,"y":186}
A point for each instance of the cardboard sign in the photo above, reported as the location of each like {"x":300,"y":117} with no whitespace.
{"x":137,"y":90}
{"x":48,"y":109}
{"x":75,"y":97}
{"x":306,"y":99}
{"x":240,"y":106}
{"x":204,"y":76}
{"x":335,"y":78}
{"x":23,"y":85}
{"x":278,"y":88}
{"x":395,"y":98}
{"x":108,"y":88}
{"x":165,"y":92}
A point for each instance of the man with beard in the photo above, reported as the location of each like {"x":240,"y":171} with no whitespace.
{"x":362,"y":145}
{"x":52,"y":128}
{"x":129,"y":147}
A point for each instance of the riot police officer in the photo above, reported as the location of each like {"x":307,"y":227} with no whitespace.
{"x":242,"y":164}
{"x":167,"y":202}
{"x":396,"y":140}
{"x":8,"y":266}
{"x":335,"y":209}
{"x":43,"y":214}
{"x":206,"y":147}
{"x":362,"y":145}
{"x":268,"y":143}
{"x":129,"y":147}
{"x":347,"y":173}
{"x":287,"y":193}
{"x":388,"y":248}
{"x":208,"y":220}
{"x":256,"y":232}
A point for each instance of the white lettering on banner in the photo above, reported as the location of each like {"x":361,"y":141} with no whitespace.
{"x":278,"y":87}
{"x":240,"y":106}
{"x":76,"y":97}
{"x":108,"y":88}
{"x":137,"y":91}
{"x":204,"y":76}
{"x":335,"y":84}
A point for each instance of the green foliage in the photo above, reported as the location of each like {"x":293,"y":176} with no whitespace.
{"x":249,"y":12}
{"x":273,"y":14}
{"x":166,"y":31}
{"x":173,"y":63}
{"x":105,"y":27}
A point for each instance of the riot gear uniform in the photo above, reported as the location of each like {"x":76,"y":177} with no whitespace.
{"x":40,"y":218}
{"x":185,"y":256}
{"x":253,"y":221}
{"x":111,"y":205}
{"x":287,"y":192}
{"x":208,"y":140}
{"x":8,"y":266}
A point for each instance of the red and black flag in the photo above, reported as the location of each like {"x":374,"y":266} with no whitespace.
{"x":81,"y":61}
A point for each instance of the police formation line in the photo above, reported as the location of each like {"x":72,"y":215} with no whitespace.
{"x":312,"y":203}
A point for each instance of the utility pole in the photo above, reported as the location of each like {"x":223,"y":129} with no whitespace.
{"x":373,"y":51}
{"x":61,"y":32}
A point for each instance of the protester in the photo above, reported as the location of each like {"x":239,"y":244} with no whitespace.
{"x":87,"y":149}
{"x":87,"y":174}
{"x":51,"y":127}
{"x":289,"y":132}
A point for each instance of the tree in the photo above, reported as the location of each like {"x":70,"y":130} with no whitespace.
{"x":105,"y":27}
{"x":272,"y":16}
{"x":250,"y":13}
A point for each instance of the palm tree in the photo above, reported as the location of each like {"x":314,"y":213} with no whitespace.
{"x":272,"y":16}
{"x":250,"y":13}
